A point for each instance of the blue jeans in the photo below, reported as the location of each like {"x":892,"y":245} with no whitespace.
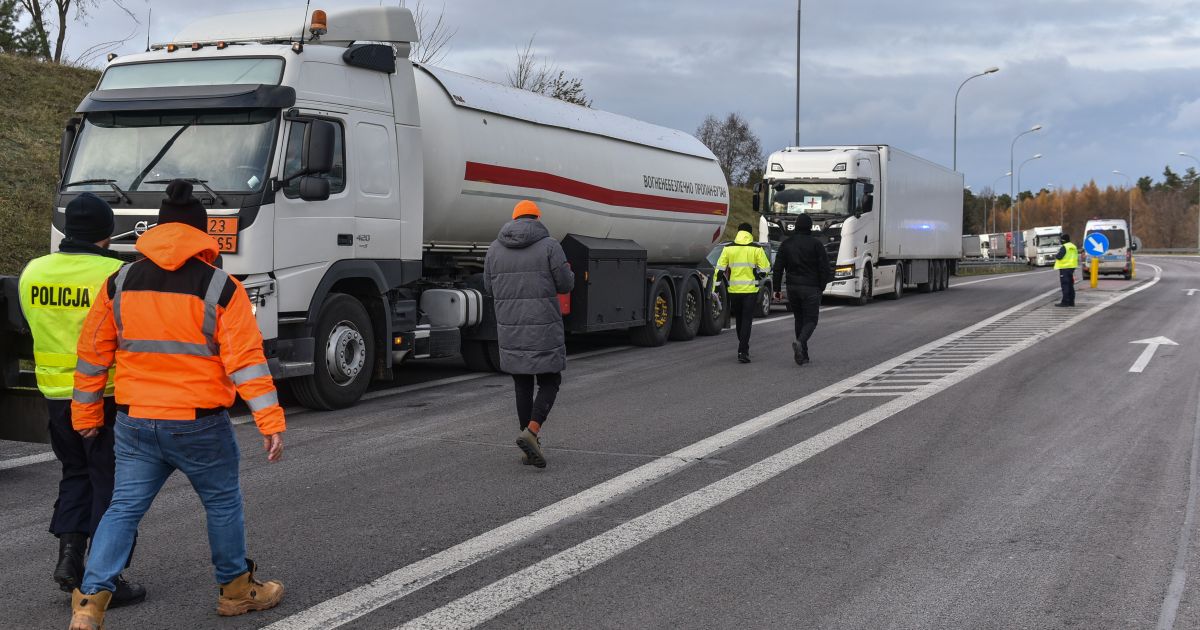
{"x":148,"y":451}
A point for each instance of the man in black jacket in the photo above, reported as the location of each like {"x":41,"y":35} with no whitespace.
{"x":804,"y":259}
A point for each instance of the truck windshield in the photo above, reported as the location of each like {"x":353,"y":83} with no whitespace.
{"x":810,"y":198}
{"x":228,"y":149}
{"x":1053,"y":240}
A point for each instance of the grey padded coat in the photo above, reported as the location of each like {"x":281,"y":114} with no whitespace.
{"x":524,"y":271}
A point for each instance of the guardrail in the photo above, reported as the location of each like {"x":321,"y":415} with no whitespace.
{"x":1170,"y":250}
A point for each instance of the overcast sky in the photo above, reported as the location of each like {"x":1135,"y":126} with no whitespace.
{"x":1115,"y":83}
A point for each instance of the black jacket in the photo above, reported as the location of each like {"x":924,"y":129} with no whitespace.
{"x":804,"y":259}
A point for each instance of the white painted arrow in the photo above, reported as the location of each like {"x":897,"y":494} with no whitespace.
{"x":1192,"y":292}
{"x":1147,"y":354}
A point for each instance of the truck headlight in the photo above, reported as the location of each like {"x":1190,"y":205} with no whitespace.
{"x":844,"y":272}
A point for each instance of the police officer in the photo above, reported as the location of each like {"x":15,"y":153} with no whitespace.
{"x":746,"y":262}
{"x":1066,"y":260}
{"x":57,"y":291}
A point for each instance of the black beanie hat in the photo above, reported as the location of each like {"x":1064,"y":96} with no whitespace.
{"x":804,"y":224}
{"x":181,"y":207}
{"x":89,"y":219}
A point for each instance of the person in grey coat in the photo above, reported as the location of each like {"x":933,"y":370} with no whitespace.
{"x":524,"y":271}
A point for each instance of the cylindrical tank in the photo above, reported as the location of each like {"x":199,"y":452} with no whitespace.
{"x":593,"y":173}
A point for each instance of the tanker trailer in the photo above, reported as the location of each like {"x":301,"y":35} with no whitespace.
{"x":355,"y":193}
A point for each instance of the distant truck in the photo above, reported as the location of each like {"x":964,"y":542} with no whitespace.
{"x":1041,"y":245}
{"x":974,"y":246}
{"x":888,"y":219}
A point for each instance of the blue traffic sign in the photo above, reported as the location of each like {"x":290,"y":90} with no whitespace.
{"x":1095,"y":244}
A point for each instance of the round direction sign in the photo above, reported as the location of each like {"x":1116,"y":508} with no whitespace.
{"x":1095,"y":244}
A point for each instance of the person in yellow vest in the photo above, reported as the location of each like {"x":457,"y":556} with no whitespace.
{"x":57,"y":291}
{"x":746,"y":262}
{"x":1066,"y":260}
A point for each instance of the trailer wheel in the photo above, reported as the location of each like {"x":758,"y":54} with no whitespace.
{"x":868,"y":288}
{"x":657,"y":328}
{"x":715,"y":315}
{"x":945,"y":275}
{"x":931,"y":285}
{"x":344,"y":355}
{"x":687,"y":324}
{"x":481,"y":355}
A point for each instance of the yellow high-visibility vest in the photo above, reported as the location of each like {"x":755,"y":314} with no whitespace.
{"x":56,"y":293}
{"x":1070,"y":260}
{"x":743,"y":258}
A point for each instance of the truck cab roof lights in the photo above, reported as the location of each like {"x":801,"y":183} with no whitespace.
{"x":221,"y":45}
{"x":197,"y":45}
{"x":297,"y":47}
{"x":111,"y":56}
{"x":172,"y":48}
{"x":320,"y":23}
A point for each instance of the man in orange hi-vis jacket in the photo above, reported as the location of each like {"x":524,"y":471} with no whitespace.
{"x":182,"y":335}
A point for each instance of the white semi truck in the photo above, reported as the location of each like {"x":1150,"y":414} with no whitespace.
{"x":355,"y":192}
{"x":889,"y":219}
{"x":1041,"y":245}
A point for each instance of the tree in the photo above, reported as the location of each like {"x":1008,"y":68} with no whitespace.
{"x":738,"y":150}
{"x":39,"y":28}
{"x":1171,"y":180}
{"x":538,"y":75}
{"x":432,"y":31}
{"x":1145,"y":183}
{"x":15,"y":41}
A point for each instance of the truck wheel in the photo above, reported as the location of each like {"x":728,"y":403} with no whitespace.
{"x":687,"y":324}
{"x":344,"y":355}
{"x":868,"y":288}
{"x":714,"y":318}
{"x":481,"y":355}
{"x":945,"y":275}
{"x":657,"y":328}
{"x":762,"y":308}
{"x":898,"y":283}
{"x":931,"y":285}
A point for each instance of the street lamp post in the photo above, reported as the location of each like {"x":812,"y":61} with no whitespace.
{"x":960,"y":87}
{"x":1017,"y":235}
{"x":1129,"y":180}
{"x":1012,"y":194}
{"x":1197,"y":160}
{"x":799,"y":12}
{"x":1008,"y":174}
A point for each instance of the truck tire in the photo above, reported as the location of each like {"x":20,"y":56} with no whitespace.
{"x":343,"y":357}
{"x":897,"y":284}
{"x":762,"y":305}
{"x":931,"y":285}
{"x":868,"y":288}
{"x":661,"y":313}
{"x":687,"y":325}
{"x":714,"y":319}
{"x":945,"y":275}
{"x":481,"y":355}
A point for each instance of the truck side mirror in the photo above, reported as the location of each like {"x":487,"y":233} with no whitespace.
{"x":868,"y":202}
{"x":314,"y":188}
{"x":1133,"y":246}
{"x":64,"y":147}
{"x":755,"y":202}
{"x":318,"y":148}
{"x":757,"y":187}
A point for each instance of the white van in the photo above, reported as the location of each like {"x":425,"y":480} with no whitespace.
{"x":1119,"y":257}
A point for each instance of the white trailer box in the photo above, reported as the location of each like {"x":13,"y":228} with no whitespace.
{"x":920,"y":207}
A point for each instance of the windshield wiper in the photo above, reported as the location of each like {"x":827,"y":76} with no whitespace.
{"x":192,"y":180}
{"x":112,"y":183}
{"x":137,"y":181}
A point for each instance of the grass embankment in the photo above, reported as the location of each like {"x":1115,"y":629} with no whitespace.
{"x":36,"y":100}
{"x":740,"y":211}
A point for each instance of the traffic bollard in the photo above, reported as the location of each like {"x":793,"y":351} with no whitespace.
{"x":1132,"y":268}
{"x":1095,"y":271}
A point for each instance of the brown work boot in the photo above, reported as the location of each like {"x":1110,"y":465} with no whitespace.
{"x":87,"y":611}
{"x":245,"y":594}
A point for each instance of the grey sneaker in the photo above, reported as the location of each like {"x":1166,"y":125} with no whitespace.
{"x":532,"y":448}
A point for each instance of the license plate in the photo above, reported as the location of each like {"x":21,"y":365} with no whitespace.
{"x":225,"y":231}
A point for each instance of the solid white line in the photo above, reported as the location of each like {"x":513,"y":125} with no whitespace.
{"x":391,"y":587}
{"x":1000,"y":277}
{"x":1170,"y":605}
{"x":509,"y":592}
{"x":27,"y":460}
{"x":869,"y":394}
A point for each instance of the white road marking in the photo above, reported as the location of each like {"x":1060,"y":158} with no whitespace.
{"x":1170,"y":605}
{"x":1147,"y":354}
{"x":398,"y":584}
{"x":27,"y":460}
{"x":999,"y":277}
{"x":1192,"y":292}
{"x":509,"y":592}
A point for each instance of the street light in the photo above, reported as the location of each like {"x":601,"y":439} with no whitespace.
{"x":799,"y":12}
{"x":1017,"y":235}
{"x":1130,"y":181}
{"x":1008,"y":174}
{"x":1012,"y":195}
{"x":1197,"y":160}
{"x":960,"y":87}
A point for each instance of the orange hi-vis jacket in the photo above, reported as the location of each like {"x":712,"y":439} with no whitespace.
{"x":181,"y":333}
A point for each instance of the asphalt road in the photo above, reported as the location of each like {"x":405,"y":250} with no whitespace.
{"x":968,"y":459}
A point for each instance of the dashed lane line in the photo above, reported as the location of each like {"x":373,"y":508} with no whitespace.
{"x":27,"y":460}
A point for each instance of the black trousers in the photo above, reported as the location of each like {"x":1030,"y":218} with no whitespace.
{"x":806,"y":309}
{"x":88,"y":466}
{"x":1066,"y":277}
{"x":741,"y":306}
{"x":531,"y":406}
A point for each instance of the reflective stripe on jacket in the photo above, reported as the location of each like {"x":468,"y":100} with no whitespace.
{"x":182,"y":335}
{"x":56,"y":293}
{"x":744,"y":259}
{"x":1070,"y":259}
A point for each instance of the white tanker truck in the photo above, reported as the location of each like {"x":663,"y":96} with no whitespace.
{"x":355,"y":193}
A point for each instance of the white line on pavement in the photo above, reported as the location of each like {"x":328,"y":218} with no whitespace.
{"x":391,"y":587}
{"x":509,"y":592}
{"x":26,"y":460}
{"x":1002,"y":277}
{"x":1170,"y":605}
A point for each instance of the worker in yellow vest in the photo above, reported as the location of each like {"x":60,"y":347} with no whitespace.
{"x":1066,"y":260}
{"x":57,"y":291}
{"x":747,"y":264}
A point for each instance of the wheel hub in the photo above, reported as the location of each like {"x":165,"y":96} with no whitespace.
{"x":345,"y":353}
